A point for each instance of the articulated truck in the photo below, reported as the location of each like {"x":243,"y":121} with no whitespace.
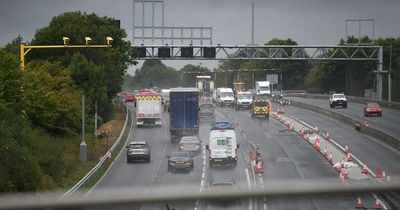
{"x":183,"y":112}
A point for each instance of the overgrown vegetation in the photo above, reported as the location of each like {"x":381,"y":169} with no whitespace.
{"x":40,"y":108}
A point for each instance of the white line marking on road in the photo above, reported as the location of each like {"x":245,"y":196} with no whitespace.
{"x":249,"y":186}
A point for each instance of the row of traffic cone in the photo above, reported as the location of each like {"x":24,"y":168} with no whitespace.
{"x":360,"y":205}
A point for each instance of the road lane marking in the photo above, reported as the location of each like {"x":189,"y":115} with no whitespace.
{"x":249,"y":186}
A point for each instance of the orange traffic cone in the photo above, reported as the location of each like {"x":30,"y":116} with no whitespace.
{"x":109,"y":158}
{"x":359,"y":204}
{"x":325,"y":153}
{"x":377,"y":204}
{"x":364,"y":169}
{"x":330,"y":158}
{"x":316,"y":143}
{"x":378,"y":172}
{"x":346,"y":149}
{"x":316,"y":130}
{"x":327,"y":135}
{"x":384,"y":175}
{"x":349,"y":158}
{"x":302,"y":131}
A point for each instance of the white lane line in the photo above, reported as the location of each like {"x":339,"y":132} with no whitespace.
{"x":161,"y":162}
{"x":249,"y":186}
{"x":203,"y":176}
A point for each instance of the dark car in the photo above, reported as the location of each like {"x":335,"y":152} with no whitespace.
{"x":180,"y":161}
{"x":223,"y":184}
{"x":276,"y":94}
{"x":372,"y":108}
{"x":138,"y":150}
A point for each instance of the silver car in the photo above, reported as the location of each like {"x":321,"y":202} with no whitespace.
{"x":190,"y":144}
{"x":138,"y":150}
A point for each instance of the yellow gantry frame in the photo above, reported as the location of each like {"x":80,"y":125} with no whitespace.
{"x":24,"y":50}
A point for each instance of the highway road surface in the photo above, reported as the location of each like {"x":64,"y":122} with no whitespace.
{"x":285,"y":154}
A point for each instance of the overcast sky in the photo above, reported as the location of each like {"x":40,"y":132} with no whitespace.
{"x":305,"y":21}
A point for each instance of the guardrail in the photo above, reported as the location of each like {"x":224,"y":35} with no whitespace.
{"x":350,"y":121}
{"x":99,"y":164}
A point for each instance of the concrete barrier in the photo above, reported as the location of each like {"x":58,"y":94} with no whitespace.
{"x":394,"y":142}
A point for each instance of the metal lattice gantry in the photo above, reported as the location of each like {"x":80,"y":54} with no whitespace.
{"x":143,"y":32}
{"x":260,"y":52}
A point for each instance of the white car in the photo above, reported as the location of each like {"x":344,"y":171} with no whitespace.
{"x":338,"y":100}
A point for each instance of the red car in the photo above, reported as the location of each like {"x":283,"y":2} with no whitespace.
{"x":129,"y":97}
{"x":372,"y":108}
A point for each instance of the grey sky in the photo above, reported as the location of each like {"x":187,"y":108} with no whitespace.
{"x":305,"y":21}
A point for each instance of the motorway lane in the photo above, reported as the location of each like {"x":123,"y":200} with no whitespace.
{"x":388,"y":123}
{"x":366,"y":148}
{"x":287,"y":157}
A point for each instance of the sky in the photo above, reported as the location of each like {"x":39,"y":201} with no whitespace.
{"x":308,"y":22}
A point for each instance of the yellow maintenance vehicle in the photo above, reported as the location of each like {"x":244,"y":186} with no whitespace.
{"x":261,"y":107}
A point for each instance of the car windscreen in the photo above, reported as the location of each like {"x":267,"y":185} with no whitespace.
{"x":226,"y":94}
{"x":137,"y":146}
{"x":180,"y":154}
{"x":372,"y":105}
{"x":189,"y":139}
{"x":338,"y":96}
{"x":260,"y":103}
{"x":244,"y":96}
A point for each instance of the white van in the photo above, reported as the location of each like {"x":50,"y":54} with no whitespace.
{"x":225,"y":96}
{"x":222,"y":147}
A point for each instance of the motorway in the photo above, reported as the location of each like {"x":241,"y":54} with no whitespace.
{"x":388,"y":123}
{"x":285,"y":154}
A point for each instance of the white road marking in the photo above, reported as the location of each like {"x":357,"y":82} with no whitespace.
{"x":249,"y":186}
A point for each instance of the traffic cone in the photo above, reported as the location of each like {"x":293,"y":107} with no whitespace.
{"x":291,"y":125}
{"x":316,"y":130}
{"x":301,"y":131}
{"x":316,"y":143}
{"x":384,"y":175}
{"x":359,"y":203}
{"x":366,"y":122}
{"x":325,"y":153}
{"x":109,"y":158}
{"x":346,"y":149}
{"x":330,"y":158}
{"x":342,"y":164}
{"x":327,"y":136}
{"x":307,"y":136}
{"x":377,"y":204}
{"x":349,"y":158}
{"x":364,"y":169}
{"x":378,"y":172}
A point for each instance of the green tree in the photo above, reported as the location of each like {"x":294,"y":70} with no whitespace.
{"x":10,"y":83}
{"x":189,"y":72}
{"x":52,"y":100}
{"x":111,"y":63}
{"x":154,"y":73}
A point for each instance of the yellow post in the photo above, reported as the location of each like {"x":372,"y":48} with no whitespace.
{"x":22,"y":56}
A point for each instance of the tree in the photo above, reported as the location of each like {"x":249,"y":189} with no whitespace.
{"x":154,"y":73}
{"x":109,"y":64}
{"x":189,"y":72}
{"x":52,"y":101}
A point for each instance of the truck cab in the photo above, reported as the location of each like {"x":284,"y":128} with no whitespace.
{"x":263,"y":88}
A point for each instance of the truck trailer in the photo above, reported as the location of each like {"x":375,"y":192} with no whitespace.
{"x":183,"y":112}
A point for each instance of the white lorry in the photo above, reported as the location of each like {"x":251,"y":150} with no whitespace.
{"x":148,"y":108}
{"x":263,"y":88}
{"x":225,"y":96}
{"x":222,"y":145}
